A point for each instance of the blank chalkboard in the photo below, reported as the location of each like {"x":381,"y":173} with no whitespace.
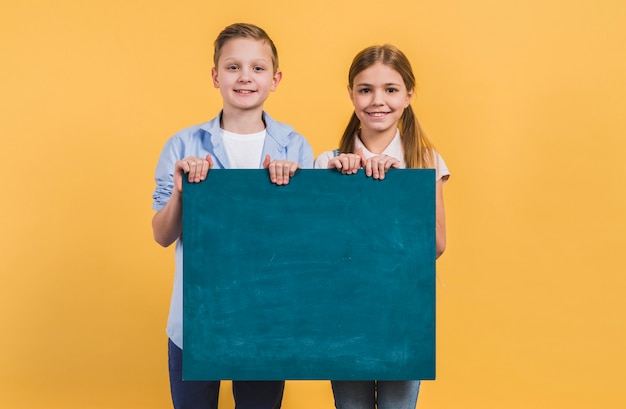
{"x":329,"y":277}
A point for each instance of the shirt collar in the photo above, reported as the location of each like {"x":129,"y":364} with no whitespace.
{"x":394,"y":149}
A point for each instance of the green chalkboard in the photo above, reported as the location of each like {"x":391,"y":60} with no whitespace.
{"x":329,"y":277}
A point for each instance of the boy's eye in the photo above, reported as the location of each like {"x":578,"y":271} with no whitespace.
{"x":232,"y":67}
{"x":364,"y":90}
{"x":257,"y":68}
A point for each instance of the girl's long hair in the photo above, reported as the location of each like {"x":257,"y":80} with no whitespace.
{"x":418,"y":150}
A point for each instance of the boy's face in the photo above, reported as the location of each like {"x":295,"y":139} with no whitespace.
{"x":245,"y":74}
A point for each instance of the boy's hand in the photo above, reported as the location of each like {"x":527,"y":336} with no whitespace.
{"x":348,"y":163}
{"x":376,"y":166}
{"x":280,"y":170}
{"x":195,"y":168}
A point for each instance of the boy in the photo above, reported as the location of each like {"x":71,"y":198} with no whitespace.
{"x":243,"y":135}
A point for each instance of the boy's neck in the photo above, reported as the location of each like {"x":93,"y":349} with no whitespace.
{"x":242,"y":122}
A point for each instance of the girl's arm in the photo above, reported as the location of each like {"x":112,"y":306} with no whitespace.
{"x":440,"y":219}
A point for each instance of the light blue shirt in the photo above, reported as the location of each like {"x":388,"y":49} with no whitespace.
{"x":281,"y":142}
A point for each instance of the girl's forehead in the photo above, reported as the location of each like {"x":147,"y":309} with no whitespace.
{"x":379,"y":73}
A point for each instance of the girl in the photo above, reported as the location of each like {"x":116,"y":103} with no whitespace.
{"x":384,"y":133}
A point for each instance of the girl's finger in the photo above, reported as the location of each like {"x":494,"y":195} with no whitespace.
{"x":355,"y":162}
{"x":345,"y":164}
{"x":334,"y":164}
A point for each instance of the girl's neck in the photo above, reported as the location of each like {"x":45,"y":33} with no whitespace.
{"x":376,"y":142}
{"x":242,"y":122}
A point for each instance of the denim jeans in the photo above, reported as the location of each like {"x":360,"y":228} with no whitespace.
{"x":204,"y":394}
{"x":375,"y":394}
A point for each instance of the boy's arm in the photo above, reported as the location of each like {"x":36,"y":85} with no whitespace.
{"x":167,"y":223}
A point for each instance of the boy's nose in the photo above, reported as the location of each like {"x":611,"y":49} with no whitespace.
{"x":245,"y":76}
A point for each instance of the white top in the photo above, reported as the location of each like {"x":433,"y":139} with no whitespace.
{"x":394,"y":149}
{"x":244,"y":151}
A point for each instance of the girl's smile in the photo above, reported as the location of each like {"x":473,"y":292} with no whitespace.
{"x":377,"y":114}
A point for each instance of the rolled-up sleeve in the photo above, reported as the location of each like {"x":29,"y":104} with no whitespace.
{"x":164,"y":175}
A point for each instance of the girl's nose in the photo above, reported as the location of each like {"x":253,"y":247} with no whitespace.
{"x":378,"y":98}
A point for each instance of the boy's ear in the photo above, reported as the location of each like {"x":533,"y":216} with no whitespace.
{"x":276,"y":79}
{"x":216,"y":82}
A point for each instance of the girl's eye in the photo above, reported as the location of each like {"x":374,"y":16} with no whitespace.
{"x":364,"y":90}
{"x":391,"y":90}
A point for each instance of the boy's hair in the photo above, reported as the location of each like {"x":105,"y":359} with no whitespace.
{"x":243,"y":30}
{"x":418,"y":151}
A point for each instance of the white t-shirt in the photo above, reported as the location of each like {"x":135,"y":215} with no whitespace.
{"x":244,"y":151}
{"x":394,"y":149}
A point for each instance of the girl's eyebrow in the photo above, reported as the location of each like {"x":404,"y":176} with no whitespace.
{"x":388,"y":84}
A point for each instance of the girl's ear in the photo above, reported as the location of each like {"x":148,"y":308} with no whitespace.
{"x":216,"y":81}
{"x":409,"y":97}
{"x":350,"y":93}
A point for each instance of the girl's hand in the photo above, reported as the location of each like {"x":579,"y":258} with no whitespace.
{"x":280,"y":170}
{"x":195,"y":168}
{"x":348,"y":163}
{"x":376,"y":166}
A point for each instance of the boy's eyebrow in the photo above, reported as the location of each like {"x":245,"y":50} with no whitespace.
{"x":254,"y":61}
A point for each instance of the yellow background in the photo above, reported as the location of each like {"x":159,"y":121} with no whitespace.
{"x":524,"y":99}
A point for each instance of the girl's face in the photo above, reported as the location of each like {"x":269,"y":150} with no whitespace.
{"x":379,"y":97}
{"x":245,"y":74}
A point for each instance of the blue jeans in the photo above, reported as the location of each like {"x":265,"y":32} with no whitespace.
{"x":375,"y":394}
{"x":204,"y":394}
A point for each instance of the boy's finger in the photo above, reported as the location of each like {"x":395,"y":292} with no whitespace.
{"x":206,"y":165}
{"x":279,"y":174}
{"x":272,"y":169}
{"x":294,"y":167}
{"x":286,"y":172}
